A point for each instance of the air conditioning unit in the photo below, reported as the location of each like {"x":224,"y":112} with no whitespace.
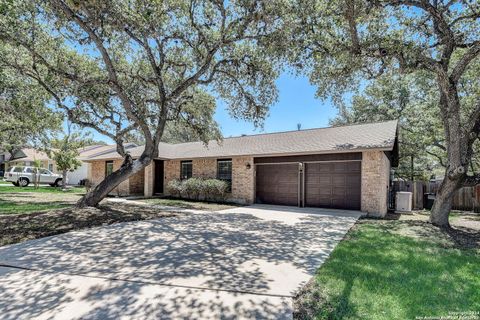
{"x":403,"y":201}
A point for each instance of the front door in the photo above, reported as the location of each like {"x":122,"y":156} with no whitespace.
{"x":158,"y":188}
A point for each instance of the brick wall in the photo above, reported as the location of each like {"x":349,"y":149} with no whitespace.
{"x":375,"y":183}
{"x":137,"y":183}
{"x":97,"y":172}
{"x":204,"y":168}
{"x":243,"y":180}
{"x":171,"y":171}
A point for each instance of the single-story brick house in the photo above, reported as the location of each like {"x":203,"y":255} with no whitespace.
{"x":338,"y":167}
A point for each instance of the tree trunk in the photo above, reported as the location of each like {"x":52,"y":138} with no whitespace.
{"x":129,"y":167}
{"x":443,"y":202}
{"x":458,"y":153}
{"x":64,"y":179}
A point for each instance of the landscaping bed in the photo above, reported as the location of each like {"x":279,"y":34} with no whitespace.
{"x":397,"y":269}
{"x":189,"y":204}
{"x":22,"y":227}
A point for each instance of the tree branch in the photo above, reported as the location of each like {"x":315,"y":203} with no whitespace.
{"x":464,"y":61}
{"x":127,"y":103}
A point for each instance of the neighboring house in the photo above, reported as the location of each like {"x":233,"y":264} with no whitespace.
{"x":3,"y":162}
{"x":339,"y":167}
{"x":81,"y":172}
{"x":27,"y":156}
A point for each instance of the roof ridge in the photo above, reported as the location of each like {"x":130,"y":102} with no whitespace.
{"x":288,"y":131}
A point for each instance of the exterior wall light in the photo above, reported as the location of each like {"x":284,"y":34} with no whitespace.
{"x":248,"y":166}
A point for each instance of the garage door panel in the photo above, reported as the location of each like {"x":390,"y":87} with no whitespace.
{"x":353,"y":180}
{"x":339,"y":167}
{"x":333,"y":185}
{"x":277,"y":184}
{"x":339,"y":180}
{"x":354,"y":166}
{"x":330,"y":185}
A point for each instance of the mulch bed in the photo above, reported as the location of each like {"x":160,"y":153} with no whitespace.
{"x":462,"y":236}
{"x":18,"y":228}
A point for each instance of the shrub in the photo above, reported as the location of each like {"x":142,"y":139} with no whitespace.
{"x":192,"y":188}
{"x":174,"y":187}
{"x":216,"y":189}
{"x":197,"y":188}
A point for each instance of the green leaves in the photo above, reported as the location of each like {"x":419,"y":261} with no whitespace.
{"x":66,"y":149}
{"x":130,"y":65}
{"x":26,"y":117}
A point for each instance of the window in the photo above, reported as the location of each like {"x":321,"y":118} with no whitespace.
{"x":108,"y":168}
{"x":44,"y":171}
{"x":224,"y":172}
{"x":186,"y":170}
{"x":28,"y":170}
{"x":17,"y":169}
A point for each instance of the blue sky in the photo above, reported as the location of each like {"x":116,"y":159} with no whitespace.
{"x":296,"y":104}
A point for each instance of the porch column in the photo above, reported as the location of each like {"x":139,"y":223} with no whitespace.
{"x":149,"y":179}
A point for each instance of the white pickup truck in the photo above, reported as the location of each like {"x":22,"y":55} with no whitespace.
{"x":23,"y":176}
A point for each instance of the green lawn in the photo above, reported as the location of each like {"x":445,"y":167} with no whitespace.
{"x":380,"y":273}
{"x":10,"y":207}
{"x":41,"y":189}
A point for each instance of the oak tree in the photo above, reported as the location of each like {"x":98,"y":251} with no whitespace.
{"x":342,"y":44}
{"x":123,"y":65}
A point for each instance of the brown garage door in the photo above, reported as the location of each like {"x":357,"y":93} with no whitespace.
{"x":277,"y":184}
{"x":333,"y":185}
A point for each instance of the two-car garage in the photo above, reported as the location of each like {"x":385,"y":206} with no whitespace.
{"x":328,"y":181}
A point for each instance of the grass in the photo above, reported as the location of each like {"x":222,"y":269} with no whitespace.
{"x":189,"y":204}
{"x":379,"y":273}
{"x":41,"y":189}
{"x":11,"y":207}
{"x":22,"y":227}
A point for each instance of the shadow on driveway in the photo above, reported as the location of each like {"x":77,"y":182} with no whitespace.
{"x":248,"y":261}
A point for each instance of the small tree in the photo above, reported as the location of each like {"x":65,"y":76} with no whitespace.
{"x":36,"y":173}
{"x":65,"y":152}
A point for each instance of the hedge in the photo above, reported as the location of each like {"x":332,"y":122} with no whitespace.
{"x":198,"y":188}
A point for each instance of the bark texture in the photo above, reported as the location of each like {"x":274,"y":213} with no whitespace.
{"x":64,"y":179}
{"x":443,"y":203}
{"x":458,"y":146}
{"x":129,"y":167}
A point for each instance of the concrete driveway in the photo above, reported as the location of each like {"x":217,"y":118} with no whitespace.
{"x":238,"y":263}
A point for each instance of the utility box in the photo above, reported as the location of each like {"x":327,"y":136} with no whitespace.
{"x":403,"y":202}
{"x":428,"y":199}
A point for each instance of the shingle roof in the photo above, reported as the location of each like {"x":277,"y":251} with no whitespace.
{"x":30,"y":154}
{"x":379,"y":135}
{"x":98,"y":150}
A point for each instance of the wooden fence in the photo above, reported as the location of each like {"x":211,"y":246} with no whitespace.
{"x":466,"y":199}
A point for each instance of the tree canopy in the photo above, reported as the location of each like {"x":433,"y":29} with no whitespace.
{"x":123,"y":66}
{"x":25,"y":116}
{"x":344,"y":44}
